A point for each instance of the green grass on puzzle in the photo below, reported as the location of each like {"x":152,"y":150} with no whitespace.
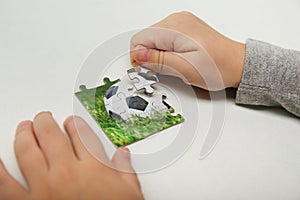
{"x":119,"y":132}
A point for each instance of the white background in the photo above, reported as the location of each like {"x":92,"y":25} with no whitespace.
{"x":42,"y":46}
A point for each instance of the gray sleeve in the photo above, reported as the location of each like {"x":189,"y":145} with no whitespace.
{"x":271,"y":77}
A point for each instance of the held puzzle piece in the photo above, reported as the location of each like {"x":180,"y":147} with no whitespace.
{"x":129,"y":112}
{"x":146,"y":79}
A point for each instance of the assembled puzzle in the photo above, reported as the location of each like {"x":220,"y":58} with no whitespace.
{"x":129,"y":112}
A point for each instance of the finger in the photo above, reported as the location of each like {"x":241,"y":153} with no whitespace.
{"x":121,"y":161}
{"x":138,"y":53}
{"x":30,"y":158}
{"x":85,"y":143}
{"x":151,"y":58}
{"x":163,"y":62}
{"x":10,"y":189}
{"x":55,"y":146}
{"x":152,"y":38}
{"x":71,"y":127}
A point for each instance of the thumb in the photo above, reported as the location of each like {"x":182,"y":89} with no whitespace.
{"x":162,"y":62}
{"x":122,"y":162}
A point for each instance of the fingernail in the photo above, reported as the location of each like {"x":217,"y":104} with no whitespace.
{"x":23,"y":124}
{"x":139,"y":47}
{"x":141,"y":54}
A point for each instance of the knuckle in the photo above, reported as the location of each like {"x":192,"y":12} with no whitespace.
{"x":178,"y":19}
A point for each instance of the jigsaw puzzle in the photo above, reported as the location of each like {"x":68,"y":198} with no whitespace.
{"x":129,"y":112}
{"x":145,"y":77}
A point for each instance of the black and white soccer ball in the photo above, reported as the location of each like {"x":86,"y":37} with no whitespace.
{"x":123,"y":102}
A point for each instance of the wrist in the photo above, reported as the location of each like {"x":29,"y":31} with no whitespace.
{"x":237,"y":64}
{"x":240,"y":63}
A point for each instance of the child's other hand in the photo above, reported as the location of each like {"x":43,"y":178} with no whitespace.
{"x":192,"y":50}
{"x":56,"y":168}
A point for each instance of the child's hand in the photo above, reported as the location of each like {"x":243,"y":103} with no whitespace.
{"x":192,"y":50}
{"x":57,"y":169}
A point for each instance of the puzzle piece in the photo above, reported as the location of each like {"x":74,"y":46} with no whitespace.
{"x":160,"y":107}
{"x":145,"y":77}
{"x":114,"y":102}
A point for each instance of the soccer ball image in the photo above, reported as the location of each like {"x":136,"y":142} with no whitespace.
{"x":123,"y":102}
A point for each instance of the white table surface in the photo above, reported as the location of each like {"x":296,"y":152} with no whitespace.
{"x":42,"y":46}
